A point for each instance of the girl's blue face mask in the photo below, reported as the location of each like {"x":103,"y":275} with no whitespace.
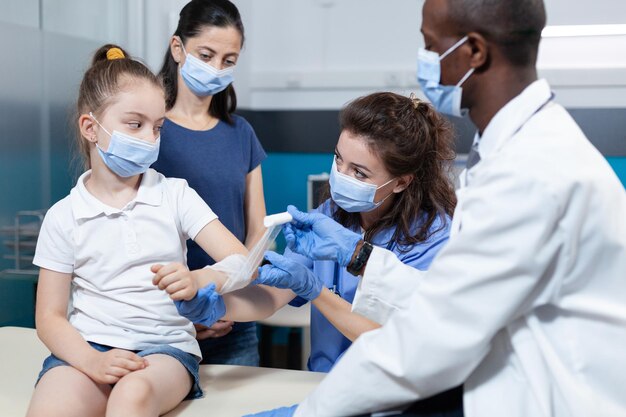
{"x":204,"y":79}
{"x":445,"y":98}
{"x":352,"y":195}
{"x":127,"y":156}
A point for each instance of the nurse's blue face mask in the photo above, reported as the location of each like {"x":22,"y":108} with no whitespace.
{"x":204,"y":79}
{"x":126,"y":155}
{"x":445,"y":98}
{"x":352,"y":195}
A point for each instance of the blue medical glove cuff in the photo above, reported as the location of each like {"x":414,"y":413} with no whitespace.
{"x":287,"y":273}
{"x":277,"y":412}
{"x":205,"y":308}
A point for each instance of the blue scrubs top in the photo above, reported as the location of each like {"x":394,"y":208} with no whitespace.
{"x":327,"y":343}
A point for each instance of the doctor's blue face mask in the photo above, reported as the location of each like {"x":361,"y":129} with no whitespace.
{"x":126,"y":155}
{"x":445,"y":98}
{"x":352,"y":195}
{"x":204,"y":79}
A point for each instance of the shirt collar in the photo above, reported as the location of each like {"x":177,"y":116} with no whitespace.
{"x":86,"y":206}
{"x":510,"y":118}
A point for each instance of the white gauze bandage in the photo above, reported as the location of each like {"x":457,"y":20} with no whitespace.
{"x":239,"y":269}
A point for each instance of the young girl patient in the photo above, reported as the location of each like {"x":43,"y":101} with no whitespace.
{"x":122,"y":349}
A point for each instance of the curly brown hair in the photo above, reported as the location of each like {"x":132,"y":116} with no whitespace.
{"x":410,"y":137}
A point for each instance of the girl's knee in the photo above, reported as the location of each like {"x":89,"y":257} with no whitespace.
{"x":132,"y":392}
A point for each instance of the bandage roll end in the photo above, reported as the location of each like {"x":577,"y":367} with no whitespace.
{"x":277,"y":219}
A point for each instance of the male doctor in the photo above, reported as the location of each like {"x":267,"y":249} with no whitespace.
{"x":526,"y":305}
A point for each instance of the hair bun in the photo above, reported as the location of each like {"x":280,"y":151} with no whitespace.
{"x":115,"y":53}
{"x":415,"y":100}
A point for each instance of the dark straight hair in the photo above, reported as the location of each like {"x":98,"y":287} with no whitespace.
{"x":195,"y":17}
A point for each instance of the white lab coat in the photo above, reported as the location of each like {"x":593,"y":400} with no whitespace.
{"x":526,"y":305}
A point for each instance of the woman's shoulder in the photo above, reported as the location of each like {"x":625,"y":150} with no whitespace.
{"x":240,"y":122}
{"x":439,"y":228}
{"x":240,"y":125}
{"x":441,"y":224}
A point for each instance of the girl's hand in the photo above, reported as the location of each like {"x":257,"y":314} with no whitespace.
{"x":219,"y":329}
{"x":176,"y":280}
{"x":109,"y":367}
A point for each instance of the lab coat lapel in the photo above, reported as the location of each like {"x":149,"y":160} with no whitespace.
{"x":503,"y":127}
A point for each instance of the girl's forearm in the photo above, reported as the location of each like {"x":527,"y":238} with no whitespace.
{"x":64,"y":341}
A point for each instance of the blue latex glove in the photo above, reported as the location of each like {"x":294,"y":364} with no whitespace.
{"x":285,"y":273}
{"x":205,"y":308}
{"x":319,"y":237}
{"x":277,"y":412}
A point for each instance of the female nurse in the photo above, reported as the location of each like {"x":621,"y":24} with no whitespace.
{"x":389,"y":181}
{"x":216,"y":151}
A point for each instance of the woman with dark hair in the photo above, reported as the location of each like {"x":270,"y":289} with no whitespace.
{"x":390,"y":181}
{"x":216,"y":151}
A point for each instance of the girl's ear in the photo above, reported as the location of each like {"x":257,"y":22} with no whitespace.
{"x":403,"y":183}
{"x":87,"y":128}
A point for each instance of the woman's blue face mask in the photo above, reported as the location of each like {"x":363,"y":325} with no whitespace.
{"x":445,"y":98}
{"x":203,"y":79}
{"x":352,"y":195}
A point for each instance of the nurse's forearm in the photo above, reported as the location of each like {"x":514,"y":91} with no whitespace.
{"x":255,"y":302}
{"x":339,"y":313}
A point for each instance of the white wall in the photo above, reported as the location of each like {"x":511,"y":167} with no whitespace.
{"x":319,"y":54}
{"x":322,"y":53}
{"x":576,"y":12}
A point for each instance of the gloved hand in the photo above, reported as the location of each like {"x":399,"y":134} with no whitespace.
{"x":319,"y":237}
{"x":206,"y":307}
{"x":285,"y":273}
{"x":277,"y":412}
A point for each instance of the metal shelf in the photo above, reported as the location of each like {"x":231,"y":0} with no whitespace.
{"x":24,"y":233}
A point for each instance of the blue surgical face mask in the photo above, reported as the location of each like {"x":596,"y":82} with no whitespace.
{"x":127,"y":156}
{"x":445,"y":98}
{"x":204,"y":79}
{"x":352,"y":195}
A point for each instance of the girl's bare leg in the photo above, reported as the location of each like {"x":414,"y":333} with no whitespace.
{"x":151,"y":391}
{"x":65,"y":391}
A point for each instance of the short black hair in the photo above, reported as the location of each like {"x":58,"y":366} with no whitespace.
{"x":514,"y":25}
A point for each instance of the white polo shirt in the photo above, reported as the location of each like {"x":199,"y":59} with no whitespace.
{"x":109,"y":252}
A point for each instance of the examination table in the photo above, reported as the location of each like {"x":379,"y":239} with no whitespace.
{"x":228,"y":390}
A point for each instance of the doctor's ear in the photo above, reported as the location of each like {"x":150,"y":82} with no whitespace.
{"x":403,"y":183}
{"x":176,"y":49}
{"x":86,"y":125}
{"x":479,"y":50}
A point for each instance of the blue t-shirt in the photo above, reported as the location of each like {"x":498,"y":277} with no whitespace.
{"x":327,"y":343}
{"x":215,"y":163}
